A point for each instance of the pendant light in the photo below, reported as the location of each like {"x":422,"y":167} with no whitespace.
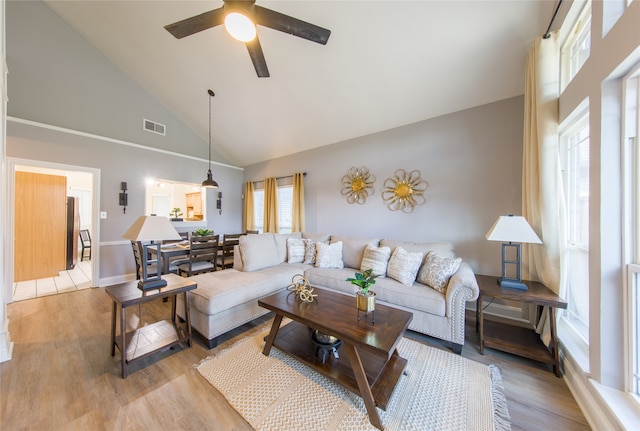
{"x":209,"y":183}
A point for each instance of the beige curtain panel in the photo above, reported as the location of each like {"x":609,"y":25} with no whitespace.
{"x":542,"y":192}
{"x":271,"y":205}
{"x":297,"y":204}
{"x":249,"y":211}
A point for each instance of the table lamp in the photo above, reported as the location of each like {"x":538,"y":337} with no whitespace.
{"x":513,"y":229}
{"x":151,"y":228}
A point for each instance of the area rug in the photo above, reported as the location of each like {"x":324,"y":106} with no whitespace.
{"x":439,"y":391}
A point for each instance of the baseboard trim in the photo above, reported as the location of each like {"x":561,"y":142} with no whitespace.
{"x":593,"y":406}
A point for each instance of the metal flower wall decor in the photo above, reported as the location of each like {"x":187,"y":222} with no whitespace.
{"x":357,"y":185}
{"x":404,"y":191}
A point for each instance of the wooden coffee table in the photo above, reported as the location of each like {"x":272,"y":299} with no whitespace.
{"x":373,"y":365}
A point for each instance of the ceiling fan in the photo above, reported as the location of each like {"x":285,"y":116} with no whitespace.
{"x":235,"y":13}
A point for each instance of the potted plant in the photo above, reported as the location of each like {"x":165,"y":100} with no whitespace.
{"x":202,"y":232}
{"x":175,"y":214}
{"x":365,"y":299}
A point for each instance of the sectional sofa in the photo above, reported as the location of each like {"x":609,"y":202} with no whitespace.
{"x":425,"y":279}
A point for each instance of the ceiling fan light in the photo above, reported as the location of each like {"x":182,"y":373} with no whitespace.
{"x":240,"y":27}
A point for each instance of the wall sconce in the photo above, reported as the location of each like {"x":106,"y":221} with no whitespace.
{"x":123,"y":196}
{"x":219,"y":203}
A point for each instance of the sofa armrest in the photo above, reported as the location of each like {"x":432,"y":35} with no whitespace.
{"x":462,"y":287}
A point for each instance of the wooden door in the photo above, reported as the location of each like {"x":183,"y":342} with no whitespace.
{"x":40,"y":226}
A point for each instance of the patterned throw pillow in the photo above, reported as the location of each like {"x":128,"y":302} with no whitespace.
{"x":295,"y":250}
{"x":329,"y":255}
{"x":376,"y":258}
{"x":437,"y":271}
{"x":403,"y":266}
{"x":309,"y":252}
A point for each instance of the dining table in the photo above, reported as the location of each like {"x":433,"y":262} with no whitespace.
{"x":169,"y":251}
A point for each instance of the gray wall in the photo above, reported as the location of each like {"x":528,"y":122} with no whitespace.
{"x":471,"y":159}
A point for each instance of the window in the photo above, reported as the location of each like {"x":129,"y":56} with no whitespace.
{"x":577,"y":47}
{"x":285,"y":201}
{"x":575,"y":155}
{"x":631,"y":155}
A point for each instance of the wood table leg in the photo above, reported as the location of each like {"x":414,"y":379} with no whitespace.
{"x":480,"y":312}
{"x":123,"y":344}
{"x":272,"y":334}
{"x":114,"y":311}
{"x":363,"y":386}
{"x":187,"y":317}
{"x":554,"y":342}
{"x":174,"y":300}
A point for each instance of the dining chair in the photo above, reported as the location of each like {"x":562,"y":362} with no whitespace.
{"x":85,"y":242}
{"x":251,"y":232}
{"x":203,"y":251}
{"x":225,"y":256}
{"x":152,"y":268}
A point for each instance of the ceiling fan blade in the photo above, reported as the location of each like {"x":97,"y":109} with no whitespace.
{"x":197,"y":23}
{"x":287,"y":24}
{"x":257,"y":57}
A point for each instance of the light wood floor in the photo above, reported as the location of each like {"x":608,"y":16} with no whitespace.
{"x":62,"y":376}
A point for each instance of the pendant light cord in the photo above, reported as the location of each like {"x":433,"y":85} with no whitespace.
{"x":211,"y":94}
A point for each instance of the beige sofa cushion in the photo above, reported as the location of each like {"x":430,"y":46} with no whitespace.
{"x":258,"y":251}
{"x":353,"y":248}
{"x":221,"y":290}
{"x":444,"y":249}
{"x":416,"y":297}
{"x":316,"y":237}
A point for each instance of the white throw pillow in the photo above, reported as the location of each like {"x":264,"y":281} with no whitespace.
{"x":329,"y":255}
{"x":403,"y":266}
{"x":309,"y":252}
{"x":377,"y":259}
{"x":295,"y":250}
{"x":437,"y":271}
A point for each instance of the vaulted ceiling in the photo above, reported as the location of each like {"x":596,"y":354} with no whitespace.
{"x":386,"y":64}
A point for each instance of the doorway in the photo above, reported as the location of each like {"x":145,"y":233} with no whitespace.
{"x":82,"y":183}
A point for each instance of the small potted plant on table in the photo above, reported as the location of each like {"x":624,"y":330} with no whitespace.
{"x":175,"y":214}
{"x":365,"y":299}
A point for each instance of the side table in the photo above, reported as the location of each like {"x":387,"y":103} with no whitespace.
{"x":513,"y":339}
{"x":149,"y":339}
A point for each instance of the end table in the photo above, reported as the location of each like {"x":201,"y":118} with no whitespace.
{"x":149,"y":339}
{"x":513,"y":339}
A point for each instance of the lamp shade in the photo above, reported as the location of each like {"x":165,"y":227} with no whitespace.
{"x":151,"y":228}
{"x":512,"y":229}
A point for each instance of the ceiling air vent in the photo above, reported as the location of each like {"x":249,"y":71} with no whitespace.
{"x":152,"y":126}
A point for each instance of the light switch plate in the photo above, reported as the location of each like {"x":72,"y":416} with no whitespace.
{"x":103,"y":214}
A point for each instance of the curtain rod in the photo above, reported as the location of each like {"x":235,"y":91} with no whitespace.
{"x":279,"y":178}
{"x":547,"y":34}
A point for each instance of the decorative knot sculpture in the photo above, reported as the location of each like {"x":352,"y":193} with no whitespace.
{"x":300,"y":287}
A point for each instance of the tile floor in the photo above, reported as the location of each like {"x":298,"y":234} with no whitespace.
{"x":76,"y":279}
